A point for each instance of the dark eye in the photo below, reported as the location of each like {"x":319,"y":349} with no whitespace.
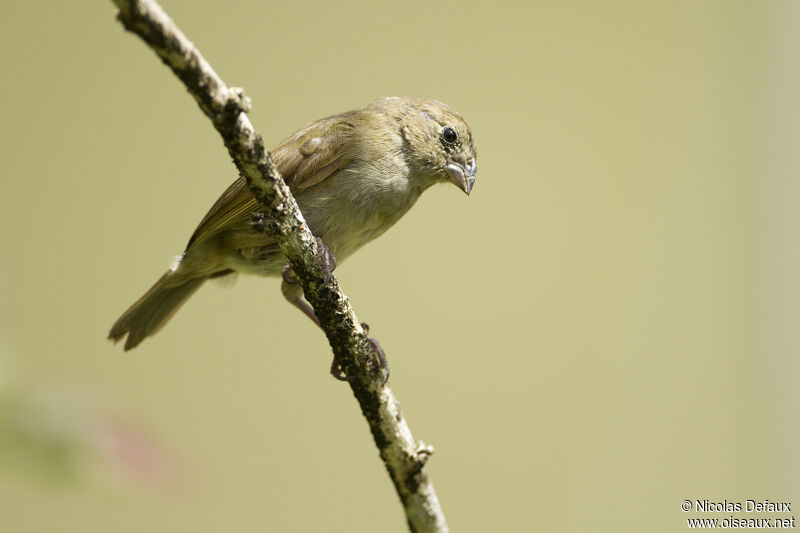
{"x":449,"y":135}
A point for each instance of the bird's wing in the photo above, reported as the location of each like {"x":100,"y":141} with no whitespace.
{"x":306,"y":158}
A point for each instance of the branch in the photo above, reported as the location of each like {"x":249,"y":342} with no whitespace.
{"x":227,"y":108}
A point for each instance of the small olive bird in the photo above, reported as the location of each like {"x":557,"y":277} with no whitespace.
{"x":353,"y":176}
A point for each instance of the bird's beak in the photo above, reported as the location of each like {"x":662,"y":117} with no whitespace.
{"x":463,"y":176}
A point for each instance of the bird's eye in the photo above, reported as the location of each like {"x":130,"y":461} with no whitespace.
{"x":449,"y":135}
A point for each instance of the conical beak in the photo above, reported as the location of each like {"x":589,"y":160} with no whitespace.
{"x":463,"y":176}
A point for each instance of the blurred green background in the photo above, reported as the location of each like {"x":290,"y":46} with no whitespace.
{"x":606,"y":327}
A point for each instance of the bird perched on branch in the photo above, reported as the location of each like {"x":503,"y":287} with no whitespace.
{"x":353,"y":176}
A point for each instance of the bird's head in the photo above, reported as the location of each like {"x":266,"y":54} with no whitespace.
{"x":439,"y":141}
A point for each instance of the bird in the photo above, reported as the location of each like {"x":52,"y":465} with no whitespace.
{"x":354,"y":175}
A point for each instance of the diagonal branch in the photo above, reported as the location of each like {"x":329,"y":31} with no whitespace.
{"x":227,"y":108}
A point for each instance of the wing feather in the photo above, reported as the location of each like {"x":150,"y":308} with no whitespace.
{"x":306,"y":158}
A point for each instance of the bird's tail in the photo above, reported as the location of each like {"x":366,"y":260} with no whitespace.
{"x":150,"y":312}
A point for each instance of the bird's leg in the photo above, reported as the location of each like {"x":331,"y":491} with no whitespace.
{"x":291,"y":288}
{"x":293,"y":292}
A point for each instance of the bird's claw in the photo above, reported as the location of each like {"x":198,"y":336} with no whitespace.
{"x":260,"y":223}
{"x":328,"y":259}
{"x":381,"y":356}
{"x":328,"y":264}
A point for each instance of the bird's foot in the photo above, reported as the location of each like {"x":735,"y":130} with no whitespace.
{"x":259,"y":222}
{"x":328,"y":259}
{"x":379,"y":353}
{"x":293,"y":292}
{"x":338,"y":372}
{"x":376,"y":348}
{"x":328,"y":265}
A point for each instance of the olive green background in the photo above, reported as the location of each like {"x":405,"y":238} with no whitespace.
{"x":606,"y":327}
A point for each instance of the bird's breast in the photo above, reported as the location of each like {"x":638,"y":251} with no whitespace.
{"x":350,"y":210}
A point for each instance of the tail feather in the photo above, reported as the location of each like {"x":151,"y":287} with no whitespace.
{"x":150,"y":312}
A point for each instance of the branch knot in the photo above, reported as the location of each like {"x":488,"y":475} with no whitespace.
{"x":423,"y":453}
